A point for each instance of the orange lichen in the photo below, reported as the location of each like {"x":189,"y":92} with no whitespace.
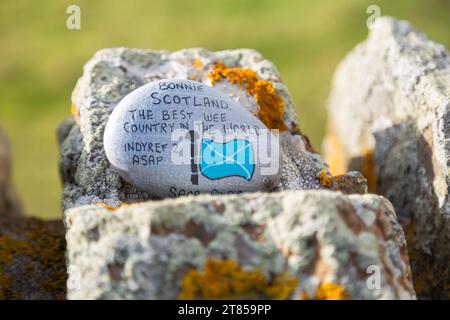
{"x":271,"y":106}
{"x":225,"y":279}
{"x":108,"y":207}
{"x":303,"y":296}
{"x":122,"y":205}
{"x":369,"y":171}
{"x":74,"y":111}
{"x":331,"y":291}
{"x":198,"y":63}
{"x":345,"y":183}
{"x":327,"y":291}
{"x":335,"y":155}
{"x":326,"y":180}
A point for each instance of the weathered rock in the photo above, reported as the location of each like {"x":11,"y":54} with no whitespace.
{"x":9,"y":201}
{"x":244,"y":75}
{"x":286,"y":245}
{"x":389,"y":117}
{"x":32,"y":251}
{"x":32,"y":259}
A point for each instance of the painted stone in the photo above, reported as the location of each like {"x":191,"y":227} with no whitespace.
{"x":179,"y":137}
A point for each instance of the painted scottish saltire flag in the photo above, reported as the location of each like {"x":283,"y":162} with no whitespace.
{"x":221,"y":160}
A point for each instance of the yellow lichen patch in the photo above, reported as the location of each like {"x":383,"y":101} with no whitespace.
{"x":327,"y":291}
{"x":198,"y":63}
{"x":368,"y":170}
{"x":331,"y":291}
{"x":335,"y":155}
{"x":271,"y":111}
{"x":107,"y":207}
{"x":245,"y":78}
{"x":326,"y":180}
{"x":271,"y":107}
{"x":281,"y":287}
{"x":74,"y":111}
{"x":303,"y":296}
{"x":347,"y":184}
{"x":225,"y":279}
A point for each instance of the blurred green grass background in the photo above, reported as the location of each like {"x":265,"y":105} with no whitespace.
{"x":40,"y":59}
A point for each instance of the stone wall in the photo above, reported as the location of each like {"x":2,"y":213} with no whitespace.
{"x":286,"y":245}
{"x":389,"y":117}
{"x":162,"y":249}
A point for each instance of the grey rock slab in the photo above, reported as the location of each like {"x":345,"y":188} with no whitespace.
{"x":32,"y":259}
{"x":315,"y":239}
{"x":176,"y":137}
{"x":389,"y":116}
{"x":111,"y":74}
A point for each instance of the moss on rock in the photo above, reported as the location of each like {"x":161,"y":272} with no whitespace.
{"x":32,"y":259}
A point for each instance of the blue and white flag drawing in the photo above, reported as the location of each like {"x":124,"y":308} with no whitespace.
{"x":221,"y":160}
